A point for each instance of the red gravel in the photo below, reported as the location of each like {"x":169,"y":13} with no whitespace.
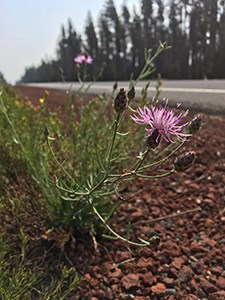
{"x":189,"y":262}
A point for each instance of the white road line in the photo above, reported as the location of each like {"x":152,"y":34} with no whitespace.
{"x":138,"y":88}
{"x":170,"y":89}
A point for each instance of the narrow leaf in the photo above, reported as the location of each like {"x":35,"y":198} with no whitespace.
{"x":122,"y":134}
{"x":109,"y":237}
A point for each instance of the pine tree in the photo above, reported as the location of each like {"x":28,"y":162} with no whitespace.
{"x":221,"y":43}
{"x":148,"y":23}
{"x":137,"y":48}
{"x":117,"y":34}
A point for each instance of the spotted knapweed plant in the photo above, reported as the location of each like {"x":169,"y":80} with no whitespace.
{"x":82,"y":61}
{"x":163,"y":126}
{"x":92,"y":155}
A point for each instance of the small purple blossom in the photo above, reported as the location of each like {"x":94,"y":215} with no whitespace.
{"x":89,"y":59}
{"x":161,"y":119}
{"x":80,"y":59}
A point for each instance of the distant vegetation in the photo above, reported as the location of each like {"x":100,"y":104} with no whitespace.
{"x":194,"y":28}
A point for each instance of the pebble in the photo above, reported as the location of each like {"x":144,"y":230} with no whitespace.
{"x":171,"y":292}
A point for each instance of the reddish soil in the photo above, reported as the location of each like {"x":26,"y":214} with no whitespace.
{"x":189,"y":262}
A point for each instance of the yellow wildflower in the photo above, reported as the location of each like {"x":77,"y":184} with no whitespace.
{"x":41,"y":100}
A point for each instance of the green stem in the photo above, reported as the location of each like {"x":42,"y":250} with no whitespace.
{"x":18,"y":139}
{"x":112,"y":144}
{"x":142,"y":160}
{"x":115,"y":233}
{"x":101,"y":182}
{"x":160,"y":162}
{"x":119,"y":177}
{"x":58,"y":163}
{"x":156,"y":176}
{"x":94,"y":79}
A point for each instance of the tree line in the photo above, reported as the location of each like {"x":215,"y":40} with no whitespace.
{"x":195,"y":29}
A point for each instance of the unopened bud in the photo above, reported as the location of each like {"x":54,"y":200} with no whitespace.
{"x":46,"y":132}
{"x":131,"y":93}
{"x":153,"y":140}
{"x":154,"y":241}
{"x":115,"y":86}
{"x":120,"y":102}
{"x":195,"y":124}
{"x":184,"y":161}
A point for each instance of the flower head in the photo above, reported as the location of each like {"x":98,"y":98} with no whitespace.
{"x":195,"y":124}
{"x":89,"y":59}
{"x":80,"y":59}
{"x":120,"y":101}
{"x":184,"y":161}
{"x":161,"y":119}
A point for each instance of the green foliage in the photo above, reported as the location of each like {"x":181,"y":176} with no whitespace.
{"x":15,"y":283}
{"x":64,"y":161}
{"x":18,"y":281}
{"x":59,"y":169}
{"x":78,"y":164}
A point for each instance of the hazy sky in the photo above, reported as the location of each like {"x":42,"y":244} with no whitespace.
{"x":29,"y":29}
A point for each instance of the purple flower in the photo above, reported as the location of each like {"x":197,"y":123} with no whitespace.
{"x":80,"y":59}
{"x":89,"y":59}
{"x":161,"y":120}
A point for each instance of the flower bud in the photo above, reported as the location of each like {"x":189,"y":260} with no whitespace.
{"x":115,"y":86}
{"x":131,"y":94}
{"x":154,"y":241}
{"x":153,"y":140}
{"x":46,"y":132}
{"x":195,"y":124}
{"x":120,"y":102}
{"x":184,"y":161}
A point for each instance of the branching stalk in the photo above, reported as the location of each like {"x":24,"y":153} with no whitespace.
{"x":144,"y":244}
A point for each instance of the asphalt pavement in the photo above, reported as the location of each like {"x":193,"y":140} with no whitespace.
{"x":200,"y":95}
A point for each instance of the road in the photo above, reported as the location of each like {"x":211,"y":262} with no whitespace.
{"x":201,"y":95}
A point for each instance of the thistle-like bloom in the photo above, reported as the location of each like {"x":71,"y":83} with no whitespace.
{"x":161,"y":119}
{"x":89,"y":59}
{"x":80,"y":59}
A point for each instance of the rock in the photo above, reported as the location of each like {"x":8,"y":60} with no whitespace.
{"x":115,"y":274}
{"x":144,"y":262}
{"x":114,"y":288}
{"x":148,"y":279}
{"x":131,"y":281}
{"x":221,"y":283}
{"x":177,"y":262}
{"x":158,"y":289}
{"x":217,"y":295}
{"x":169,"y":282}
{"x":164,"y":257}
{"x":122,"y":256}
{"x":171,"y":292}
{"x":217,"y":270}
{"x":172,"y":272}
{"x":192,"y":297}
{"x":137,"y":215}
{"x":207,"y":286}
{"x":193,"y":285}
{"x":185,"y":273}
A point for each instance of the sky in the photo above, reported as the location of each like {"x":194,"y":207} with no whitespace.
{"x":30,"y":29}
